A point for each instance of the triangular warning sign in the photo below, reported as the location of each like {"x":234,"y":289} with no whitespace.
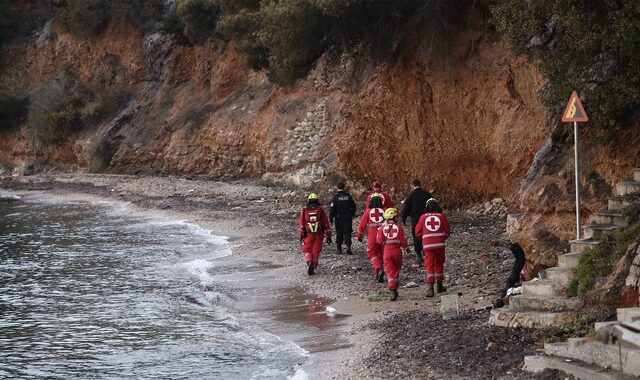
{"x":574,"y":111}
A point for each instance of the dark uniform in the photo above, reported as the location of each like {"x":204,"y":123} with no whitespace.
{"x":514,"y":276}
{"x":342,"y":210}
{"x":414,"y":207}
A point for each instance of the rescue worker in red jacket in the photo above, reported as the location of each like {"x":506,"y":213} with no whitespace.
{"x":386,"y":198}
{"x":434,"y":229}
{"x":372,"y":218}
{"x":391,"y":238}
{"x":314,"y":225}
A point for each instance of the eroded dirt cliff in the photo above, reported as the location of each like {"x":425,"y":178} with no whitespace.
{"x":463,"y":115}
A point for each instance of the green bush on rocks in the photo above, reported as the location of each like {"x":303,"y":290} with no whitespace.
{"x":587,"y":46}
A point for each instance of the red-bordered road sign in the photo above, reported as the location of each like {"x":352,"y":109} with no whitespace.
{"x":574,"y":111}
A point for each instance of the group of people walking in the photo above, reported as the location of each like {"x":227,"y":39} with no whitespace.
{"x":385,"y":235}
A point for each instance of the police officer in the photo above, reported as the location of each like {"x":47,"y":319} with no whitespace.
{"x":414,"y":207}
{"x":342,"y":210}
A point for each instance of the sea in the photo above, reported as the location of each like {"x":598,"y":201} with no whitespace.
{"x":94,"y":290}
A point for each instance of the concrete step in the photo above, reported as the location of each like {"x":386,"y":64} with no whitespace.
{"x":561,"y":275}
{"x":591,"y":351}
{"x":600,"y":325}
{"x":569,"y":260}
{"x":610,"y":217}
{"x":597,"y":231}
{"x":582,"y":244}
{"x":627,"y":187}
{"x":636,"y":174}
{"x":620,"y":203}
{"x":543,"y":288}
{"x":531,"y":319}
{"x":577,"y":369}
{"x":628,"y":314}
{"x":552,"y":304}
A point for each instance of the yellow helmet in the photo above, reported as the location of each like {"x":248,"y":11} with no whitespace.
{"x":390,"y":213}
{"x":376,"y":195}
{"x":313,"y":197}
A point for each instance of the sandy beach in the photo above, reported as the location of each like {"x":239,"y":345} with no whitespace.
{"x":368,"y":337}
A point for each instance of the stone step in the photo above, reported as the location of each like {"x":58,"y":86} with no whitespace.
{"x":597,"y":231}
{"x":620,"y":203}
{"x":582,"y":244}
{"x":576,"y":368}
{"x":591,"y":351}
{"x":628,"y":314}
{"x":627,"y":187}
{"x":548,"y":288}
{"x":531,"y":319}
{"x":636,"y":174}
{"x":569,"y":260}
{"x":610,"y":217}
{"x":561,"y":275}
{"x":600,"y":325}
{"x":553,"y":304}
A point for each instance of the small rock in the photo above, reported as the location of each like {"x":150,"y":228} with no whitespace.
{"x":492,"y":346}
{"x":411,"y":285}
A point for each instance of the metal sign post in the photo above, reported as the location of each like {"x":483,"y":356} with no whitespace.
{"x":575,"y":113}
{"x":577,"y":172}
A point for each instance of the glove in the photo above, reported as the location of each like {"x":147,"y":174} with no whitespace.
{"x":328,"y":239}
{"x":360,"y":238}
{"x":303,"y":234}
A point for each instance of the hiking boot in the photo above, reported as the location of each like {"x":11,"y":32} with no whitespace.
{"x":380,"y":276}
{"x":310,"y":269}
{"x":349,"y":250}
{"x":440,"y":288}
{"x":394,"y":295}
{"x":339,"y":250}
{"x":430,"y":289}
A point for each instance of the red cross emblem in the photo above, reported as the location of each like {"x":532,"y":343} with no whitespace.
{"x":376,"y":215}
{"x":432,"y":223}
{"x":390,"y":231}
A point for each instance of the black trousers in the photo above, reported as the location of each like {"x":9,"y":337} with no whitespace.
{"x":344,"y":229}
{"x":417,"y":242}
{"x":514,"y":276}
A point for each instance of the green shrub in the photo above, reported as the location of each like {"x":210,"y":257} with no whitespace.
{"x":90,"y":17}
{"x":581,"y":327}
{"x":287,"y":37}
{"x":60,"y":125}
{"x":199,"y":18}
{"x":82,"y":17}
{"x":599,"y":261}
{"x":587,"y":46}
{"x":104,"y":105}
{"x":13,"y":112}
{"x":8,"y":20}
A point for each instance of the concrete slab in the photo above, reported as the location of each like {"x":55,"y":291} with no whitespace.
{"x":551,"y":304}
{"x":532,"y":319}
{"x":580,"y":370}
{"x":569,"y":260}
{"x":628,"y":314}
{"x":591,"y":351}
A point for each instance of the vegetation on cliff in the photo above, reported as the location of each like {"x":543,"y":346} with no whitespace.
{"x":590,"y":46}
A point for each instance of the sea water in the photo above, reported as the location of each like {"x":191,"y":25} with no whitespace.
{"x":90,"y":291}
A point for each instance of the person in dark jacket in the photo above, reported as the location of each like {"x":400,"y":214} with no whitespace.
{"x":515,"y":275}
{"x":414,"y":207}
{"x":342,"y":210}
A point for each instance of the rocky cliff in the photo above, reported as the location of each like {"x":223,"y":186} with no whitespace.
{"x":461,"y":112}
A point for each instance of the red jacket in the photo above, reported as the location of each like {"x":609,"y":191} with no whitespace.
{"x":386,"y":199}
{"x":391,"y":236}
{"x":314,"y":220}
{"x":370,"y":221}
{"x":434,"y":229}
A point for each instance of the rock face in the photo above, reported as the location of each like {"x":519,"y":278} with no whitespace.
{"x":452,"y":115}
{"x":463,"y":115}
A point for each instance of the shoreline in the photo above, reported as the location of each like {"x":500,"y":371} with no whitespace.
{"x":260,"y":222}
{"x":239,"y":241}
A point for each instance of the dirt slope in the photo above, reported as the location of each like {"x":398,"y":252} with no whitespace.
{"x":463,"y":115}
